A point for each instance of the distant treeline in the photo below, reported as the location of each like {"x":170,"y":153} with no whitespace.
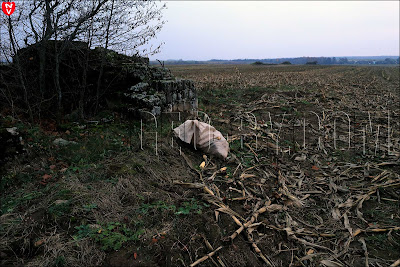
{"x":378,"y":60}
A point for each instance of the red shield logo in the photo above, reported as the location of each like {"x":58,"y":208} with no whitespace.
{"x":8,"y":8}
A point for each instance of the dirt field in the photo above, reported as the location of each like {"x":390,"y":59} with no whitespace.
{"x":312,"y":178}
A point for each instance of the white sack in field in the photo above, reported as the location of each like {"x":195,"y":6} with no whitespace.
{"x":203,"y":136}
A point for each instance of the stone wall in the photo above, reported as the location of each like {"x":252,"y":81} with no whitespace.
{"x":121,"y":83}
{"x":158,"y":91}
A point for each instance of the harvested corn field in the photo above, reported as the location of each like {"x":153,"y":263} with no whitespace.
{"x":312,"y":177}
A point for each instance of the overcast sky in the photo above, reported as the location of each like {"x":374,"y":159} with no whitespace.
{"x":203,"y":30}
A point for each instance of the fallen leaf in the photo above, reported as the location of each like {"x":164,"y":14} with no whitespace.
{"x":357,"y":232}
{"x":216,"y":215}
{"x":46,"y":177}
{"x":52,"y":167}
{"x":329,"y":263}
{"x":245,"y":176}
{"x":202,"y":165}
{"x":154,"y":240}
{"x":336,"y":214}
{"x":300,"y":158}
{"x":379,"y":230}
{"x":315,"y":168}
{"x":205,"y":157}
{"x":347,"y":223}
{"x":222,"y":169}
{"x":135,"y":255}
{"x":60,"y":201}
{"x":39,"y":242}
{"x":310,"y":251}
{"x":67,"y":132}
{"x":396,"y":263}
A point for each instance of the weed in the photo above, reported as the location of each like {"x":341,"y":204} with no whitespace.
{"x":110,"y":236}
{"x":59,"y":262}
{"x":187,"y":207}
{"x":112,"y":181}
{"x":61,"y":209}
{"x":62,"y":193}
{"x":247,"y":160}
{"x":193,"y":206}
{"x":235,"y":146}
{"x":287,"y":109}
{"x":159,"y":205}
{"x":9,"y":203}
{"x":15,"y":179}
{"x":305,"y":102}
{"x":378,"y":240}
{"x":287,"y":143}
{"x":345,"y":156}
{"x":287,"y":88}
{"x":83,"y":232}
{"x":90,"y":207}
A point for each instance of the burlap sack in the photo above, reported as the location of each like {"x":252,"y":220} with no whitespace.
{"x":203,"y":136}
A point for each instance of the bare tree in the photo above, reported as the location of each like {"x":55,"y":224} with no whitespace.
{"x":52,"y":26}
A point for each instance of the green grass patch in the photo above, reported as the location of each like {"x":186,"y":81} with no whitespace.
{"x":59,"y":262}
{"x":111,"y":236}
{"x":187,"y":207}
{"x":381,"y":241}
{"x":156,"y":206}
{"x":89,"y":207}
{"x":11,"y":202}
{"x":192,"y":206}
{"x":61,"y":209}
{"x":305,"y":102}
{"x":14,"y":179}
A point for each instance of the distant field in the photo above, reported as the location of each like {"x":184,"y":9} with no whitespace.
{"x":345,"y":88}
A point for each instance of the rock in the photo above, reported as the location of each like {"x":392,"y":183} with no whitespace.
{"x":12,"y":130}
{"x":140,"y":87}
{"x":63,"y":142}
{"x":60,"y":202}
{"x":94,"y":226}
{"x":167,"y":95}
{"x":301,"y":158}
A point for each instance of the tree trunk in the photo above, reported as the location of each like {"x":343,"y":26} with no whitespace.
{"x":57,"y":58}
{"x":20,"y":74}
{"x":84,"y":81}
{"x":103,"y":58}
{"x":42,"y":67}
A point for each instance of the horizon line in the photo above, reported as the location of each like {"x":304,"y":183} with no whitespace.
{"x":214,"y":59}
